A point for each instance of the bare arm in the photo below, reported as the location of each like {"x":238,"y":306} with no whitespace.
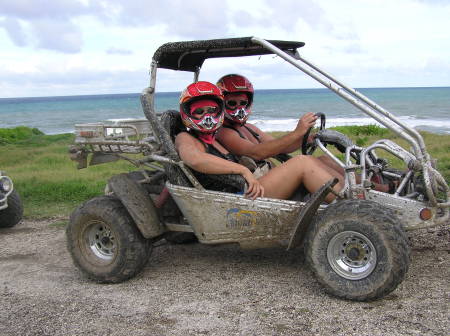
{"x":193,"y":154}
{"x":288,"y":148}
{"x":269,"y":146}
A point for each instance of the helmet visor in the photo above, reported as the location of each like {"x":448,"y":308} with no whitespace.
{"x":200,"y":112}
{"x":233,"y":104}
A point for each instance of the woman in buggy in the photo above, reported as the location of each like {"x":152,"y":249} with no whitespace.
{"x":202,"y":112}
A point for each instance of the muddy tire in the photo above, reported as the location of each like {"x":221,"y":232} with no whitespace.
{"x":358,"y":250}
{"x":104,"y":241}
{"x":13,"y":213}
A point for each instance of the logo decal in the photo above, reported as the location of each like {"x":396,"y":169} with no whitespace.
{"x":237,"y":219}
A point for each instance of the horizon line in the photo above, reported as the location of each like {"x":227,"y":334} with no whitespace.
{"x":138,"y":93}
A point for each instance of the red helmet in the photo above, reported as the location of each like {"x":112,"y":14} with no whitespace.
{"x":237,"y":110}
{"x":198,"y":95}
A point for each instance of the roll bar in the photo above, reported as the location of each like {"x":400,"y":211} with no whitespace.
{"x":349,"y":94}
{"x":362,"y":103}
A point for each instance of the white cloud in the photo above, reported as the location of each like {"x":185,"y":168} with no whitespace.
{"x":58,"y":35}
{"x":118,"y":51}
{"x":49,"y":9}
{"x":181,"y":18}
{"x":67,"y":46}
{"x":14,"y":30}
{"x":47,"y":24}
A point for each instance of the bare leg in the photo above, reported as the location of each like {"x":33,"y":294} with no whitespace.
{"x":282,"y":181}
{"x":329,"y":162}
{"x":333,"y":166}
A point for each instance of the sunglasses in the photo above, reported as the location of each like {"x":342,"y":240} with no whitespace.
{"x":235,"y":103}
{"x":199,"y":112}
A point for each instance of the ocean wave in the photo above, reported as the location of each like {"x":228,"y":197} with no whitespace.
{"x":273,"y":125}
{"x":283,"y":125}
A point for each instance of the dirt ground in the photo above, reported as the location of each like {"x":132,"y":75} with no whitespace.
{"x":208,"y":290}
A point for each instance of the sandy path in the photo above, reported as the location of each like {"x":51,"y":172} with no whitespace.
{"x":212,"y":290}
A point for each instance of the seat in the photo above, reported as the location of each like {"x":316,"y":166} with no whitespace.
{"x":172,"y":123}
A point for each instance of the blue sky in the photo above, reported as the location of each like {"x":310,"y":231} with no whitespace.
{"x":71,"y":47}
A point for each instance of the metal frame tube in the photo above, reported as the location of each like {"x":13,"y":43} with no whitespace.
{"x":369,"y":102}
{"x":196,"y":75}
{"x":370,"y":148}
{"x":327,"y":152}
{"x":341,"y":91}
{"x":365,"y":105}
{"x":152,"y":72}
{"x":147,"y":101}
{"x":403,"y":183}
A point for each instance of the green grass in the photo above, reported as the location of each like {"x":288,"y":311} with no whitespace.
{"x":361,"y":134}
{"x":46,"y":179}
{"x":58,"y":224}
{"x":50,"y":185}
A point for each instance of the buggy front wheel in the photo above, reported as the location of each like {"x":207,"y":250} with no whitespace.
{"x":104,"y":241}
{"x":358,"y":250}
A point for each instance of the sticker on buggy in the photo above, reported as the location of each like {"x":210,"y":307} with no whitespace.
{"x":238,"y":219}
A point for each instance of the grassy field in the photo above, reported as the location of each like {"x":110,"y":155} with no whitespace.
{"x":50,"y":185}
{"x":47,"y":179}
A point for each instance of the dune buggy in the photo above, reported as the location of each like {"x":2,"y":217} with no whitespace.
{"x":356,"y":246}
{"x":11,"y":209}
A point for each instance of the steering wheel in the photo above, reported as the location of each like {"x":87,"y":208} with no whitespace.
{"x":307,"y":147}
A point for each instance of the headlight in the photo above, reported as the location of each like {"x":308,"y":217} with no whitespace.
{"x":5,"y":183}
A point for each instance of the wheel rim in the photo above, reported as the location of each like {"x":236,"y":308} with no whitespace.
{"x":351,"y":255}
{"x":100,"y":240}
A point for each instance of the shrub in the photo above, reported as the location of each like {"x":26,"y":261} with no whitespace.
{"x":369,"y":130}
{"x":17,"y":134}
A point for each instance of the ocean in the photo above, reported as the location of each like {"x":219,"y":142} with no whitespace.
{"x":273,"y":110}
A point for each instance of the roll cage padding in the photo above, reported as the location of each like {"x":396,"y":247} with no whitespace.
{"x":339,"y":140}
{"x":190,"y":55}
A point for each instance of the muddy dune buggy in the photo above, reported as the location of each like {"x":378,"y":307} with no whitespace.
{"x":356,"y":246}
{"x":11,"y":209}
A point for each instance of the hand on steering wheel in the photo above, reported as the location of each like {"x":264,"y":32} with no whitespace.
{"x":309,"y":147}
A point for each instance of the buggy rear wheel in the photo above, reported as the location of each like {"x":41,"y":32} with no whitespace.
{"x":358,"y":250}
{"x":104,"y":241}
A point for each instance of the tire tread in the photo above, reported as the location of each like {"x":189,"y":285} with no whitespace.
{"x":132,"y":256}
{"x":385,"y":222}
